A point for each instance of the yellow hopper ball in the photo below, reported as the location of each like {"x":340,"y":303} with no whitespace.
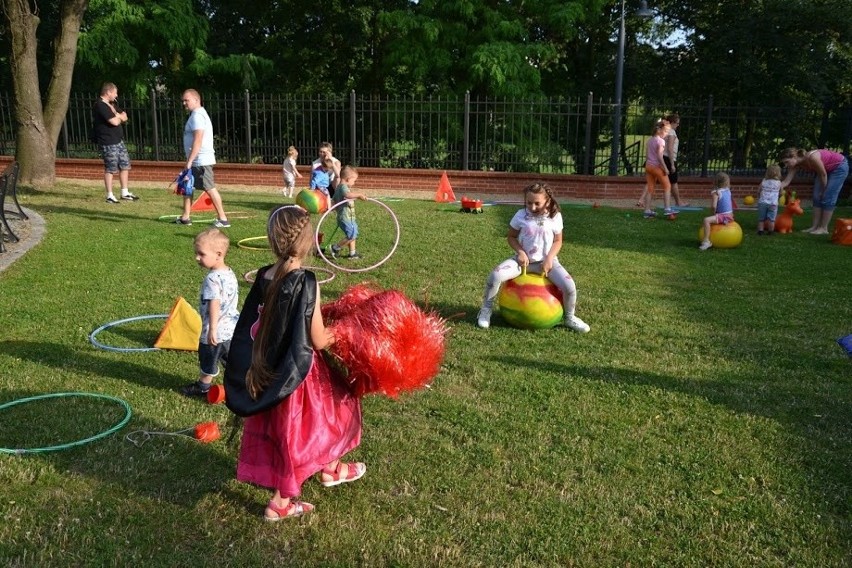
{"x":724,"y":236}
{"x":748,"y":200}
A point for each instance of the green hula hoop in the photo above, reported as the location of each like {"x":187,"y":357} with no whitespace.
{"x":243,"y":243}
{"x":104,"y":434}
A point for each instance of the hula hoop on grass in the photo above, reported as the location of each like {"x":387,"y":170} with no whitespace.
{"x":251,"y":274}
{"x":104,"y":434}
{"x":99,"y":345}
{"x":354,"y":270}
{"x":242,"y":243}
{"x":171,"y":218}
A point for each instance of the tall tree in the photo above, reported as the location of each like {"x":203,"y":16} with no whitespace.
{"x":39,"y":124}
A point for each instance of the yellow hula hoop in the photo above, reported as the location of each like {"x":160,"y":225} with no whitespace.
{"x":244,"y":243}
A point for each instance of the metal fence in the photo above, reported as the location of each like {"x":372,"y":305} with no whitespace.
{"x":564,"y":135}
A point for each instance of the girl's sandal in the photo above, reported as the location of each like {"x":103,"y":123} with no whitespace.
{"x":293,"y":509}
{"x":354,"y":471}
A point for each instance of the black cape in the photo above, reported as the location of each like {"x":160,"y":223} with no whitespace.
{"x":290,"y":352}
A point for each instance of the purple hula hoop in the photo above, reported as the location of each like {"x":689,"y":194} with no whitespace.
{"x":251,"y":274}
{"x":353,"y":270}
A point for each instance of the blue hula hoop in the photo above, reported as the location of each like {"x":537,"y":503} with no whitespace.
{"x":99,"y":345}
{"x":104,"y":434}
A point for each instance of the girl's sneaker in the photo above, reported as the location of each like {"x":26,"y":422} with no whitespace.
{"x":578,"y":325}
{"x":483,"y":320}
{"x":650,"y":214}
{"x":705,"y":245}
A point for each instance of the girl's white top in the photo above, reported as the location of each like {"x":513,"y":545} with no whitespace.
{"x":536,"y":232}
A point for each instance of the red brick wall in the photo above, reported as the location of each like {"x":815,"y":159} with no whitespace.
{"x":387,"y":181}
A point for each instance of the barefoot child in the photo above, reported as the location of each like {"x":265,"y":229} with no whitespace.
{"x":290,"y":171}
{"x":723,"y":205}
{"x":535,"y":234}
{"x":301,"y":418}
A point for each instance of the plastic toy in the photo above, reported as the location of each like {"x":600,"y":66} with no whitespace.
{"x":784,"y":222}
{"x":748,"y":200}
{"x":530,"y":301}
{"x":312,"y":201}
{"x":724,"y":236}
{"x":469,"y":205}
{"x":842,"y":234}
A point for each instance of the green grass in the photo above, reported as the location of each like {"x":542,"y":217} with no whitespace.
{"x":704,"y":421}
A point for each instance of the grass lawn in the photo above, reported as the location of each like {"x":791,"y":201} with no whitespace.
{"x":704,"y":421}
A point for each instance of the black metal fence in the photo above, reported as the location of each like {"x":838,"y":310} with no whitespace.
{"x":565,"y":135}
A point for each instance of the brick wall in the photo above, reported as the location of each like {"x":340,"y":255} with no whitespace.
{"x":386,"y":181}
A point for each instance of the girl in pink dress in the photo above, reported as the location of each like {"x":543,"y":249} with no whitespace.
{"x":301,"y":418}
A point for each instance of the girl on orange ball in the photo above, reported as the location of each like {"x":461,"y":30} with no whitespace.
{"x":535,"y":234}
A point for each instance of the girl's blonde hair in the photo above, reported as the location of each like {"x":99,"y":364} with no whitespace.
{"x":541,"y":187}
{"x":722,"y":180}
{"x":291,"y":237}
{"x":291,"y":150}
{"x":773,"y":172}
{"x":660,"y":125}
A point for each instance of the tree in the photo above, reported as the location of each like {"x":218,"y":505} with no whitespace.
{"x":39,"y":125}
{"x":140,"y":45}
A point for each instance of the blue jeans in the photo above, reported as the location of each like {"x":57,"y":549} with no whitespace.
{"x":826,"y":197}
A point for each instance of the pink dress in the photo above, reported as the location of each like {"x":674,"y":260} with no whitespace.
{"x":316,"y":424}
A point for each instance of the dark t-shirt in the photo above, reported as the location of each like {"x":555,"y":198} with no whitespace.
{"x":104,"y":133}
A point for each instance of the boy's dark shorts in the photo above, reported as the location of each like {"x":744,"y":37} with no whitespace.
{"x":209,"y":357}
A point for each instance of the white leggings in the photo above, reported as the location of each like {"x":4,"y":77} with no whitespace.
{"x":509,"y":269}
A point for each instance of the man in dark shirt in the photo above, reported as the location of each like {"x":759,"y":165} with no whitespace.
{"x":108,"y":134}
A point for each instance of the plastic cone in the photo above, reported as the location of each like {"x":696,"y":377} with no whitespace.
{"x":445,"y":194}
{"x":182,"y":329}
{"x":203,"y":203}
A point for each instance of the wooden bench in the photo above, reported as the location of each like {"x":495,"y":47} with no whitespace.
{"x":9,"y":190}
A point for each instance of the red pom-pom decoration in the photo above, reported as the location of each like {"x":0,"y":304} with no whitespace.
{"x":387,"y":344}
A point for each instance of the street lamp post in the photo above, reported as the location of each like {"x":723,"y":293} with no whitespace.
{"x":644,"y":12}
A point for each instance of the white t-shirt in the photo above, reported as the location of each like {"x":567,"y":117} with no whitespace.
{"x":289,"y":168}
{"x":199,"y":120}
{"x":536,"y":232}
{"x":769,"y":190}
{"x":219,"y":285}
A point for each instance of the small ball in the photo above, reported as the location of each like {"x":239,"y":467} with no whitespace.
{"x":748,"y":200}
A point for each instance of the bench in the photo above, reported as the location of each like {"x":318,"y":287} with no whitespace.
{"x":9,"y":189}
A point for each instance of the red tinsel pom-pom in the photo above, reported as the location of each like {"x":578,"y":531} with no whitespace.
{"x":385,"y":341}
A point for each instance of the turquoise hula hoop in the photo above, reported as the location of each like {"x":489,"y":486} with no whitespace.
{"x":104,"y":434}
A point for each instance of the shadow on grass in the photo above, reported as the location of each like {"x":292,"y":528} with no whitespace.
{"x":64,"y":357}
{"x":813,"y":414}
{"x":194,"y":469}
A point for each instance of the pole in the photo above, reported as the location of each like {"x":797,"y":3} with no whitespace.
{"x":616,"y":121}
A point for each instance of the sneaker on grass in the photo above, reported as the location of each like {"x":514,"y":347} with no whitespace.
{"x":578,"y":325}
{"x":483,"y":319}
{"x":195,"y":389}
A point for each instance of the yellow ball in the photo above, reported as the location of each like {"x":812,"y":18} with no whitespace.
{"x":530,"y":301}
{"x":724,"y":236}
{"x":748,"y":200}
